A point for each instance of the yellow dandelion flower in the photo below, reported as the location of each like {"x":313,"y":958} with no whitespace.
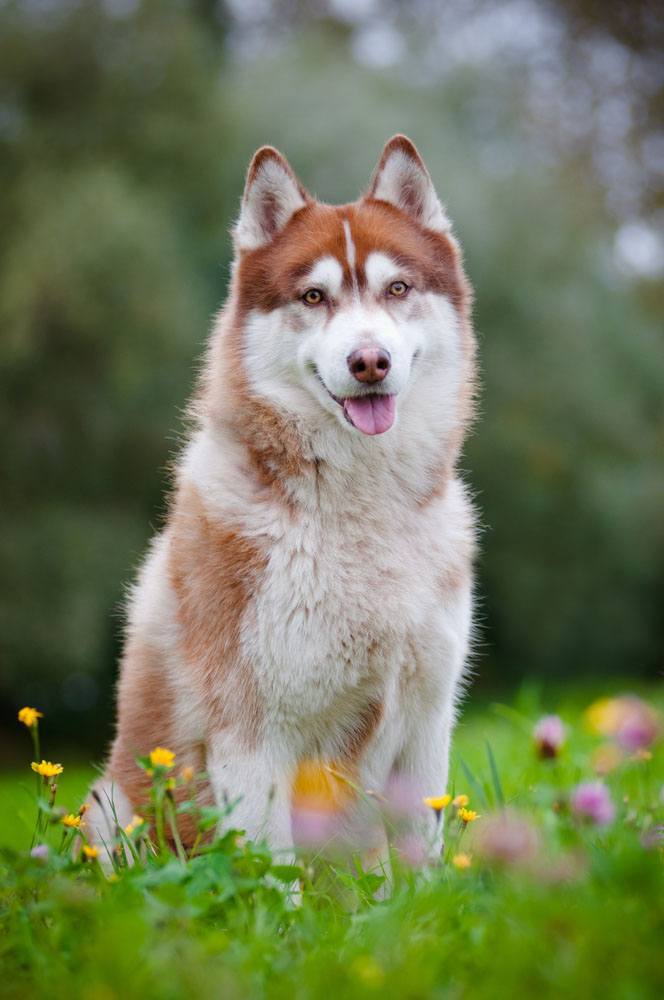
{"x":161,"y":757}
{"x":460,"y":801}
{"x":437,"y":802}
{"x":187,"y":774}
{"x":462,"y":861}
{"x":29,"y":716}
{"x":136,"y":821}
{"x":467,"y":815}
{"x":90,"y":852}
{"x":46,"y":769}
{"x":320,"y":787}
{"x":604,"y":716}
{"x":71,"y":821}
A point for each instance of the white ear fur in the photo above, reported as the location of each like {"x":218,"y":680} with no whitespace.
{"x":402,"y":180}
{"x":271,"y":196}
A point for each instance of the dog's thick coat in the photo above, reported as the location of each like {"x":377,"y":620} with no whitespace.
{"x":310,"y":594}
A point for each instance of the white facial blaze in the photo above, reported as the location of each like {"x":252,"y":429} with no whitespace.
{"x":351,"y":255}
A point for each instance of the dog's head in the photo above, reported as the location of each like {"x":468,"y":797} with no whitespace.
{"x":345,"y":310}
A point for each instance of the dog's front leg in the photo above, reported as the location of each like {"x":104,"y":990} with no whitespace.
{"x":421,"y":769}
{"x":257,"y":786}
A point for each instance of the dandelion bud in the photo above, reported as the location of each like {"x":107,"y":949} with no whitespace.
{"x":29,"y":716}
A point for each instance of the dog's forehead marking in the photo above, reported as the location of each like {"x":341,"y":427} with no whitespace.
{"x":379,"y":269}
{"x":351,"y":255}
{"x":328,"y":273}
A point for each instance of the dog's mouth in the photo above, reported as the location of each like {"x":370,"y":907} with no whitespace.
{"x":371,"y":413}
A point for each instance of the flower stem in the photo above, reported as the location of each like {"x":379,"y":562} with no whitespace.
{"x":172,"y":820}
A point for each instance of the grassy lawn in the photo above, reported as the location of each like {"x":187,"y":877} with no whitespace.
{"x":548,"y":904}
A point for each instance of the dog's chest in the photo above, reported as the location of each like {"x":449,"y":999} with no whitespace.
{"x":339,"y":604}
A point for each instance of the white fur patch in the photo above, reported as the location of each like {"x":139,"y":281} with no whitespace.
{"x":110,"y":808}
{"x":380,"y":271}
{"x":327,"y":274}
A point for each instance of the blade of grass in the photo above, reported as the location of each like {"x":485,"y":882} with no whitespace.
{"x":474,"y":783}
{"x":495,"y":777}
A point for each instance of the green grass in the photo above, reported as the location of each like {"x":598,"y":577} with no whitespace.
{"x":17,"y":801}
{"x":583,"y":918}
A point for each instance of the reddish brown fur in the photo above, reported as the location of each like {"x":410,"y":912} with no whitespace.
{"x":270,"y":276}
{"x":145,"y":720}
{"x":213,"y":568}
{"x":272,"y":442}
{"x":213,"y":572}
{"x":359,"y":736}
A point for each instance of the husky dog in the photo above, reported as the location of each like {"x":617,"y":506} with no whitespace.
{"x":310,"y":595}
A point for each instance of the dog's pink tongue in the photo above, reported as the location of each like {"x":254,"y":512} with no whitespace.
{"x":371,"y":414}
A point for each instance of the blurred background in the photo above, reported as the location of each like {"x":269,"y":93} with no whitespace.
{"x":125,"y":130}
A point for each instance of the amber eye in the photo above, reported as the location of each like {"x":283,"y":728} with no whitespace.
{"x":313,"y":297}
{"x":397,"y":288}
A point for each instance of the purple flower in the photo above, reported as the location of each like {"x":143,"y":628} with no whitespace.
{"x":592,"y":802}
{"x":629,"y":720}
{"x":403,"y":798}
{"x":314,"y":827}
{"x":549,"y":735}
{"x":653,"y":838}
{"x":412,"y":850}
{"x":639,"y":725}
{"x":40,"y":851}
{"x":507,"y":838}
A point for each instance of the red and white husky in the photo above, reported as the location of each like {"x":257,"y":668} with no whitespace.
{"x":310,"y":595}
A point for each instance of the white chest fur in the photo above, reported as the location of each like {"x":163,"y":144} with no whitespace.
{"x":356,"y":595}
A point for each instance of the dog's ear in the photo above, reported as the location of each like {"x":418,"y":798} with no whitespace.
{"x":272,"y":194}
{"x":402,"y":180}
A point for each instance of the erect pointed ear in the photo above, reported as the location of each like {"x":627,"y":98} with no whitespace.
{"x":272,"y":194}
{"x":402,"y":180}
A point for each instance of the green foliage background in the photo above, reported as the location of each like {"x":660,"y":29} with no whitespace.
{"x":125,"y":129}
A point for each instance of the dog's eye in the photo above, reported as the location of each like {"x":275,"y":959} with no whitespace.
{"x":313,"y":297}
{"x":398,"y":289}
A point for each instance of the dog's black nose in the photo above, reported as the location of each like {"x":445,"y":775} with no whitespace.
{"x":369,"y":364}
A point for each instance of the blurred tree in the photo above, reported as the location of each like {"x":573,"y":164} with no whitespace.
{"x":125,"y":128}
{"x":111,"y":166}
